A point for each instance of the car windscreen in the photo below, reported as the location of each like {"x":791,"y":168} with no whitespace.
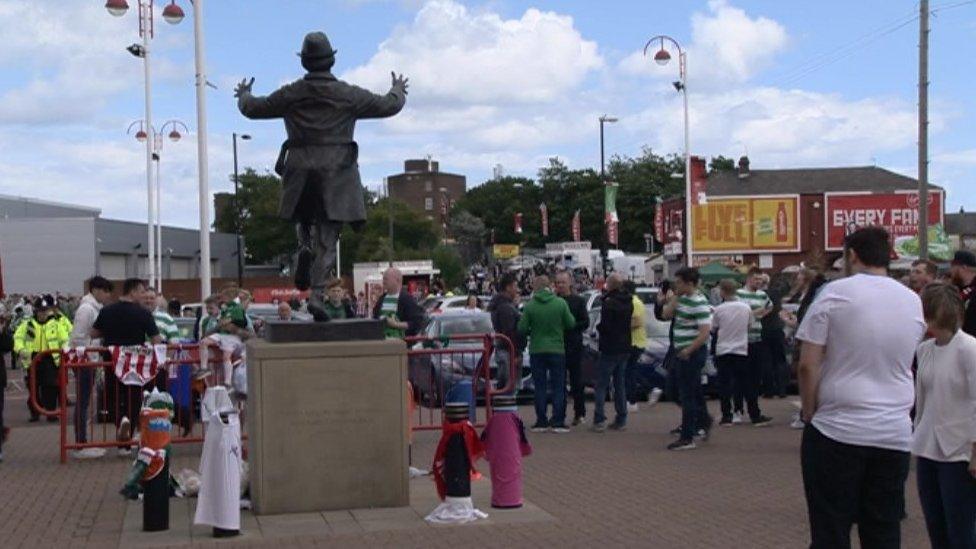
{"x":480,"y":324}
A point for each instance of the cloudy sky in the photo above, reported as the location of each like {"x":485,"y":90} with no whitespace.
{"x":510,"y":82}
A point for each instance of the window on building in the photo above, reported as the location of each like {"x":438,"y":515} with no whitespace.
{"x":428,"y":186}
{"x":428,"y":204}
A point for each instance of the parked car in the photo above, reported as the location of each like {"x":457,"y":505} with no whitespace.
{"x":439,"y":304}
{"x":433,"y":375}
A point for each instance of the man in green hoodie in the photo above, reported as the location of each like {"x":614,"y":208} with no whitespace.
{"x":545,"y":320}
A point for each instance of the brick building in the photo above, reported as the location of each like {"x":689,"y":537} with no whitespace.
{"x":778,"y":218}
{"x":426,"y":189}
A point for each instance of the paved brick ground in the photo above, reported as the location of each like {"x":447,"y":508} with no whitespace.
{"x":741,"y":489}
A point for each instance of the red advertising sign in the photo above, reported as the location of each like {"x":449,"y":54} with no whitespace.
{"x":577,"y":228}
{"x":518,"y":223}
{"x":268,"y":294}
{"x":896,"y":212}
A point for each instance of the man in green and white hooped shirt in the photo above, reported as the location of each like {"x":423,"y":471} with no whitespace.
{"x":156,"y":305}
{"x":692,"y":316}
{"x":759,"y":360}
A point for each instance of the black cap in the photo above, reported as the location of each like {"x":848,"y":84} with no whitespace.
{"x":964,"y":258}
{"x":45,"y":301}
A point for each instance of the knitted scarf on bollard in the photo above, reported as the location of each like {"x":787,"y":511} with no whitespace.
{"x":471,"y":441}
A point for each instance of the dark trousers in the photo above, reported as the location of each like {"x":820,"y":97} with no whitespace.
{"x":846,"y":484}
{"x":611,"y":366}
{"x":549,"y":371}
{"x":574,"y":356}
{"x":30,"y":409}
{"x":732,"y":379}
{"x":752,"y":377}
{"x":85,"y":379}
{"x":2,"y":428}
{"x":121,"y":400}
{"x":47,"y":384}
{"x":694,"y":413}
{"x":948,"y":495}
{"x":632,"y":380}
{"x":777,"y":374}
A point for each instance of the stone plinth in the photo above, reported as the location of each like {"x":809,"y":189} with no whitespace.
{"x":278,"y":331}
{"x":327,"y":425}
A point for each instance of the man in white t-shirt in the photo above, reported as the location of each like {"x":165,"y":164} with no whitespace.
{"x":858,"y":342}
{"x":731,"y":320}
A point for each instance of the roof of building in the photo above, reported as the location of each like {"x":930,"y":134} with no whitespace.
{"x":809,"y":181}
{"x":963,"y":223}
{"x":21,"y":206}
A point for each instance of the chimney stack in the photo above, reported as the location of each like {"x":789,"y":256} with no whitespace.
{"x":743,"y":167}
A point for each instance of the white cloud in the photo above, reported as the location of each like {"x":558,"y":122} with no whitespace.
{"x":727,"y":47}
{"x":75,"y":56}
{"x":453,"y":54}
{"x":784,"y":128}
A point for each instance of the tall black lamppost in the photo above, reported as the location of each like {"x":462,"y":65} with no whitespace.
{"x":239,"y":214}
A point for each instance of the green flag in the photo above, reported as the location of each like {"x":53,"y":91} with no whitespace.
{"x":610,"y":202}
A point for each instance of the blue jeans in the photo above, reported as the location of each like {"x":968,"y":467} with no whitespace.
{"x":549,"y":368}
{"x":694,"y":413}
{"x":948,"y":495}
{"x":611,"y":365}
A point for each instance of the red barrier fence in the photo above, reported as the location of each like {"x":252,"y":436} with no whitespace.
{"x":458,"y":368}
{"x":101,"y":401}
{"x":465,"y":368}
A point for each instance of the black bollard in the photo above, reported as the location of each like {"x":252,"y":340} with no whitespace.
{"x":155,"y":502}
{"x":457,"y":464}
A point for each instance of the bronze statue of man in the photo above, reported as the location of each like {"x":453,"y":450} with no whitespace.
{"x":318,"y":163}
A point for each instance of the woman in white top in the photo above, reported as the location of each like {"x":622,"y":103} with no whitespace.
{"x":945,"y":422}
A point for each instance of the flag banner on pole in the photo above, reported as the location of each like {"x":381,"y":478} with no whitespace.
{"x":698,"y":191}
{"x":658,"y":220}
{"x":544,"y":212}
{"x":577,"y":227}
{"x":518,"y":223}
{"x":610,"y":207}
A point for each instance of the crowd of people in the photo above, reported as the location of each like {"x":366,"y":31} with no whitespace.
{"x":885,"y":368}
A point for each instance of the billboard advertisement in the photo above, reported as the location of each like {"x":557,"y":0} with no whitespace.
{"x":767,"y":224}
{"x":505,"y":251}
{"x":897,"y":212}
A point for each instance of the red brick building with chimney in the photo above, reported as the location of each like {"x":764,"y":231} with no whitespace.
{"x":427,"y":190}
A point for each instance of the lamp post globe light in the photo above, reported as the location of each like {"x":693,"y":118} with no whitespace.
{"x":237,"y":210}
{"x":172,"y":14}
{"x":662,"y":57}
{"x":143,"y":134}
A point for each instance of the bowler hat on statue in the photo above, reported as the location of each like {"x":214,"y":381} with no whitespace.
{"x":317,"y":46}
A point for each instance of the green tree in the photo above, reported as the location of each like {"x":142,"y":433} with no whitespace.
{"x":448,"y":260}
{"x":414,"y":236}
{"x":268,"y":238}
{"x":469,"y":233}
{"x":721,"y":164}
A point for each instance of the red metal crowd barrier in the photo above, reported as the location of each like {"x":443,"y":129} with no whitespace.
{"x":101,"y":400}
{"x":458,"y":368}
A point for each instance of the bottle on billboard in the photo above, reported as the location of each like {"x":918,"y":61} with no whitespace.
{"x":781,"y":224}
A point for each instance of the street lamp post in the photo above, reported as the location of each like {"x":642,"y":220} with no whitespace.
{"x":238,"y":213}
{"x":173,"y":15}
{"x":662,"y":57}
{"x":603,"y":168}
{"x":156,"y":139}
